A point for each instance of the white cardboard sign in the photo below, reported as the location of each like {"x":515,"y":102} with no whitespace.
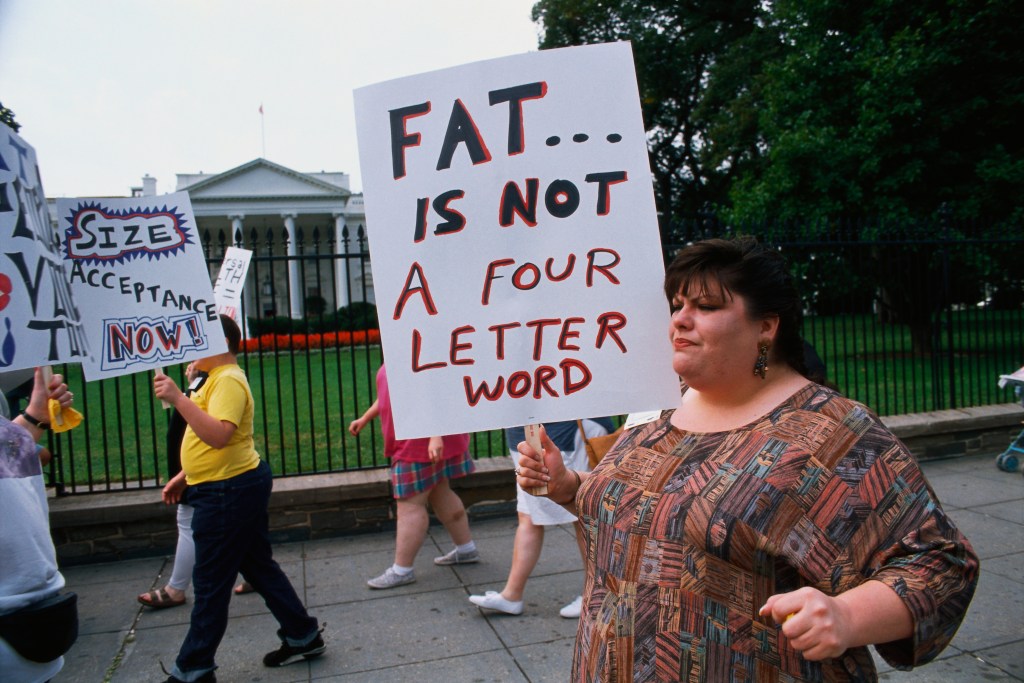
{"x":139,"y":276}
{"x":514,"y":242}
{"x":227,"y":290}
{"x":39,"y":321}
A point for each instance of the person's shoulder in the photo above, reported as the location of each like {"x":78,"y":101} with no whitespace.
{"x":224,"y":375}
{"x":228,"y":370}
{"x":841,"y":410}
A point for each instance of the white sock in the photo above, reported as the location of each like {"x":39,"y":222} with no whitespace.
{"x":400,"y":570}
{"x":466,"y":547}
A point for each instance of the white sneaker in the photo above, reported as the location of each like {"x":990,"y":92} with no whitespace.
{"x":390,"y":579}
{"x":573,"y":609}
{"x":455,"y":557}
{"x":494,"y":600}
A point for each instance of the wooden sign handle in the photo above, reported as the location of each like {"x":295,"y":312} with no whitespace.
{"x":47,"y":376}
{"x":160,"y":371}
{"x":533,"y":438}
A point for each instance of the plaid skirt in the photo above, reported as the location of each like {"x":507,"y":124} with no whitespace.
{"x":410,"y":478}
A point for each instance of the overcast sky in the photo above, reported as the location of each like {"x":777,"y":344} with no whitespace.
{"x":110,"y":90}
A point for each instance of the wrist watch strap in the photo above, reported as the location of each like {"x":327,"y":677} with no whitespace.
{"x":34,"y":422}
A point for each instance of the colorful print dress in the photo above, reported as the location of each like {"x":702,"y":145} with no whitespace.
{"x":688,"y":534}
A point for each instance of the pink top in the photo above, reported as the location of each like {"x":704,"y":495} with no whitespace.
{"x":410,"y":450}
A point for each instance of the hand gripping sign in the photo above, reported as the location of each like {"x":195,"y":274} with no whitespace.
{"x":514,"y":242}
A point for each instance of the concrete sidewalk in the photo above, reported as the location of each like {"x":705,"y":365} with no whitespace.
{"x":428,"y":630}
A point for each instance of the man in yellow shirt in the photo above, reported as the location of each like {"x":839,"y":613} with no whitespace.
{"x":229,"y":487}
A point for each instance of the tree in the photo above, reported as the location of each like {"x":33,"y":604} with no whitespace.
{"x":695,"y":60}
{"x":808,"y":111}
{"x":7,"y":118}
{"x":890,"y":109}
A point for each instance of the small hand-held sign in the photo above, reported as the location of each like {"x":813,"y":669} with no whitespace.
{"x":227,"y":290}
{"x":533,"y":438}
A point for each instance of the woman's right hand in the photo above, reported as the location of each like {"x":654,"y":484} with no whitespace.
{"x":536,"y":469}
{"x":356,"y":426}
{"x":173,"y":490}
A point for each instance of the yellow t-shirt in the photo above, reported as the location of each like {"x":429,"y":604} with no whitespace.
{"x":225,"y":396}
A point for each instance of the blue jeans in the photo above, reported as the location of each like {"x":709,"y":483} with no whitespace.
{"x":231,"y":536}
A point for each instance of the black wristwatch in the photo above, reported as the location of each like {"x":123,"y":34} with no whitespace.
{"x":34,"y":422}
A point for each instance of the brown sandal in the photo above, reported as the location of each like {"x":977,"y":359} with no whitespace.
{"x":160,"y":599}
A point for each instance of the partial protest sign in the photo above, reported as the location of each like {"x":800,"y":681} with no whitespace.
{"x":514,"y":242}
{"x":227,"y":289}
{"x":139,"y":276}
{"x":39,"y":321}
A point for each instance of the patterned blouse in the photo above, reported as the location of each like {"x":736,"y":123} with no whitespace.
{"x":688,"y":534}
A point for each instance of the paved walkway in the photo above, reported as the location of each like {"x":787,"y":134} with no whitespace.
{"x":428,"y":630}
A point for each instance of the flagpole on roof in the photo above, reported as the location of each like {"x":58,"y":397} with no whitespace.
{"x":263,"y":132}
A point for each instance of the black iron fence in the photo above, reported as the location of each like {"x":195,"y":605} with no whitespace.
{"x":907,"y":318}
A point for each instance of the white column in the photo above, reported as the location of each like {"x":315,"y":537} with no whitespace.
{"x":294,"y":281}
{"x":341,"y":265}
{"x":250,"y":288}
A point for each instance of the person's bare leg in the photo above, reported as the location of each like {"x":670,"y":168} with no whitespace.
{"x":449,"y":509}
{"x":526,"y":550}
{"x":411,"y":528}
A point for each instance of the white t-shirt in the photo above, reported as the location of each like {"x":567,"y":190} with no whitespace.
{"x":28,"y":561}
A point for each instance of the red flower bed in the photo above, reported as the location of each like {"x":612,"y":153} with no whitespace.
{"x":301,"y":342}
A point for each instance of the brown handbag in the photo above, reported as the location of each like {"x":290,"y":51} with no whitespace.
{"x":597,"y":446}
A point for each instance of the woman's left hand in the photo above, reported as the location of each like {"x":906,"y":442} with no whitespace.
{"x":435,"y":448}
{"x":815,"y":624}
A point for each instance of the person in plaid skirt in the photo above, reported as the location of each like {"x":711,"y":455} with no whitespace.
{"x":420,"y":472}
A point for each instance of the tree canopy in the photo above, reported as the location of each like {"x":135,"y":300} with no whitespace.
{"x":809,"y":111}
{"x":7,"y":118}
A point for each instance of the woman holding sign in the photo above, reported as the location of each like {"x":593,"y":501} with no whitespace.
{"x":766,"y":528}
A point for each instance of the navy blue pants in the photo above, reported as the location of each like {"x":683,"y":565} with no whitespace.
{"x":230,"y":528}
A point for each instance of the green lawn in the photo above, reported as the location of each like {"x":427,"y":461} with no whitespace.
{"x":306,"y":399}
{"x":876,"y":364}
{"x":304,"y":403}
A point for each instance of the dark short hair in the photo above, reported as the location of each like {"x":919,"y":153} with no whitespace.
{"x":231,"y":332}
{"x":744,"y":267}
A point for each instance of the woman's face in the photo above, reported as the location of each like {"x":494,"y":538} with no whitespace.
{"x":714,"y":342}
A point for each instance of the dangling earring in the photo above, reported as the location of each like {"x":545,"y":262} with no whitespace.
{"x":762,"y":360}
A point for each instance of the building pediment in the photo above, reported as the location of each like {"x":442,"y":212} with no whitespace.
{"x":261,"y":179}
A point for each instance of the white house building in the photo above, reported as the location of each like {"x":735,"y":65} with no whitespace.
{"x":263,"y":196}
{"x":309,"y":222}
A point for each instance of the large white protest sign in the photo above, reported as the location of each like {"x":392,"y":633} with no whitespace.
{"x":139,"y":276}
{"x":39,"y":322}
{"x":514,"y":242}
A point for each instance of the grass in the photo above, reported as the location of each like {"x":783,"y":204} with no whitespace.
{"x":304,"y":403}
{"x":305,"y":400}
{"x":877,"y":364}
